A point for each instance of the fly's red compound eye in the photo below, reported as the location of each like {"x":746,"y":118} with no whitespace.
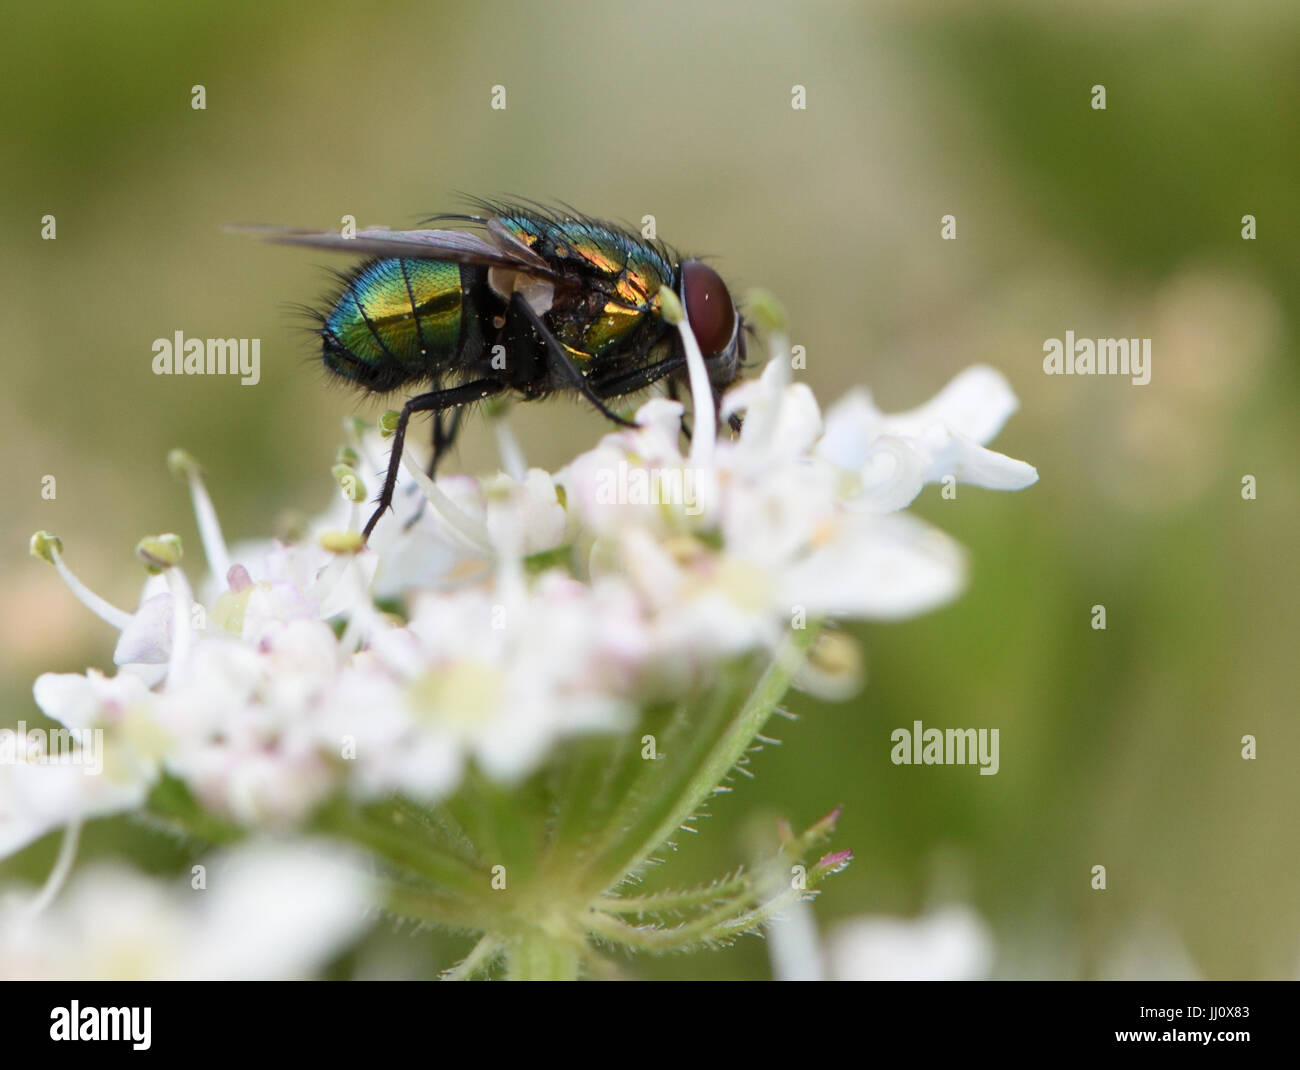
{"x":708,"y":307}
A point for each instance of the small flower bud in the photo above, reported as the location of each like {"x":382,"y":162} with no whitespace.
{"x":388,"y":423}
{"x":832,"y":863}
{"x":238,"y":579}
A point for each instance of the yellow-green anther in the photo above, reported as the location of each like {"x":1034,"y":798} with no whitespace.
{"x":343,"y":542}
{"x":388,"y":423}
{"x":764,"y":310}
{"x":46,"y":546}
{"x":159,"y":552}
{"x":347,"y":455}
{"x":670,"y":306}
{"x":497,"y":407}
{"x":182,"y":465}
{"x":350,"y":483}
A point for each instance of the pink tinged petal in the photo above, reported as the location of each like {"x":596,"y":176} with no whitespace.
{"x":270,"y":603}
{"x":86,"y":701}
{"x":147,"y":639}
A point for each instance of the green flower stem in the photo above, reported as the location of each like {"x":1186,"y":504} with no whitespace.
{"x":432,"y":906}
{"x":439,"y":827}
{"x":629,"y":853}
{"x":684,"y":747}
{"x":720,"y":926}
{"x":669,"y":902}
{"x":391,"y":841}
{"x":711,"y":931}
{"x":535,"y":955}
{"x":517,"y":839}
{"x":583,"y":797}
{"x":487,"y":949}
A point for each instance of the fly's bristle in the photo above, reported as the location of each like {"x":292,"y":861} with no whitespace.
{"x":307,"y":315}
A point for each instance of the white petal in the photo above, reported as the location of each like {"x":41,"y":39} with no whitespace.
{"x":950,"y":945}
{"x":35,"y":799}
{"x":276,"y":911}
{"x":852,"y":424}
{"x":893,"y":473}
{"x":878,"y":568}
{"x":976,"y":403}
{"x":972,"y":464}
{"x":147,"y":640}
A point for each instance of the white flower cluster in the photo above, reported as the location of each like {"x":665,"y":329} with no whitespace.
{"x":276,"y":911}
{"x":535,"y":606}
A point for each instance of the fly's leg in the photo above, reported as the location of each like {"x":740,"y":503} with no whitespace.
{"x":672,"y":393}
{"x":564,"y":362}
{"x":436,"y":401}
{"x":444,"y":436}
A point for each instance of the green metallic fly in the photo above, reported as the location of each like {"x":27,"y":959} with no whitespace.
{"x":536,"y":301}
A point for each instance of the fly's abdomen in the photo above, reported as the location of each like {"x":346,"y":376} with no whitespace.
{"x":396,"y":320}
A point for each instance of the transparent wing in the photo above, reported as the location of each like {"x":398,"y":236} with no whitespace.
{"x":498,"y":249}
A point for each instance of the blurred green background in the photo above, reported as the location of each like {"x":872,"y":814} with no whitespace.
{"x":1120,"y":747}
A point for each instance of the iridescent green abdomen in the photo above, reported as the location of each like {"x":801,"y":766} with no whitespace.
{"x":394,"y":320}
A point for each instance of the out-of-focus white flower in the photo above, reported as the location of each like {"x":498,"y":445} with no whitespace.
{"x":39,"y":796}
{"x":951,"y":944}
{"x":1148,"y":948}
{"x":269,"y":911}
{"x":895,"y":456}
{"x":36,"y":799}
